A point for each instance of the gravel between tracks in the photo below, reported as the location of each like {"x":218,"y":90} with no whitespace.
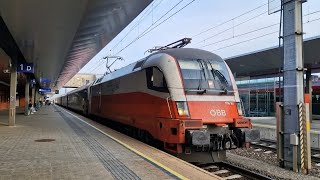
{"x":266,"y":164}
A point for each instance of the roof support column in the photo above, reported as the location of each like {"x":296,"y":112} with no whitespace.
{"x":26,"y":97}
{"x":36,"y":98}
{"x":33,"y":92}
{"x":13,"y":90}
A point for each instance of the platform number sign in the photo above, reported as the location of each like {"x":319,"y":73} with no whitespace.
{"x":25,"y":67}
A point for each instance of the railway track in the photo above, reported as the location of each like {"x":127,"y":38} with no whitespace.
{"x":270,"y":145}
{"x":230,"y":171}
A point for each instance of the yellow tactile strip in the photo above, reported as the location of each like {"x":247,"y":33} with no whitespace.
{"x":175,"y":166}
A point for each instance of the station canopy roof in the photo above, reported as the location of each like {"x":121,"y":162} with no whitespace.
{"x":60,"y":36}
{"x":268,"y":61}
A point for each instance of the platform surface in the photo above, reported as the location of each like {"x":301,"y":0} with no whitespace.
{"x":315,"y":124}
{"x":79,"y":151}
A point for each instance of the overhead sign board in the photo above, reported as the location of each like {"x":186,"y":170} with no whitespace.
{"x":45,"y":90}
{"x":45,"y":81}
{"x":25,"y":67}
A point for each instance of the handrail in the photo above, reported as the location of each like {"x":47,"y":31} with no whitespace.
{"x":169,"y":106}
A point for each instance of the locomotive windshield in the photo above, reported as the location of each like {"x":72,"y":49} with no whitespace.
{"x":205,"y":76}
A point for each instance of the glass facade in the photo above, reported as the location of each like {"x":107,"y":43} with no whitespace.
{"x":259,"y":96}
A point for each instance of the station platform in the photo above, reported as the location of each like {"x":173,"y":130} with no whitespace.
{"x":267,"y":128}
{"x":315,"y":124}
{"x":55,"y":143}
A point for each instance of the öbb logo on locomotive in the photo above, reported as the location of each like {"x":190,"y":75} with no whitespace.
{"x":218,"y":112}
{"x":184,"y":98}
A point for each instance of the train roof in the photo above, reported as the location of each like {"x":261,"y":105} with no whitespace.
{"x":178,"y":53}
{"x":191,"y":53}
{"x":78,"y":89}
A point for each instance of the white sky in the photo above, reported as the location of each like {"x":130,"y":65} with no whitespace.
{"x":198,"y":16}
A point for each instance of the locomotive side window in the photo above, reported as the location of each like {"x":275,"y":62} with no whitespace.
{"x":156,"y":80}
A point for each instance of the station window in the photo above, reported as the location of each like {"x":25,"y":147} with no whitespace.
{"x":156,"y":80}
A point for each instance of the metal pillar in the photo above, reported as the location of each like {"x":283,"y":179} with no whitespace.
{"x":13,"y":90}
{"x":36,"y":98}
{"x":33,"y":93}
{"x":27,"y":98}
{"x":293,"y":82}
{"x":308,"y":92}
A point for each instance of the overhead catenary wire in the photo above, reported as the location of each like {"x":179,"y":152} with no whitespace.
{"x":223,"y":31}
{"x":314,"y":12}
{"x":156,"y":20}
{"x":314,"y":20}
{"x":241,"y":42}
{"x":246,"y":33}
{"x":243,"y":33}
{"x":146,"y":31}
{"x":154,"y":25}
{"x":99,"y":64}
{"x":249,"y":32}
{"x":143,"y":16}
{"x":246,"y":41}
{"x":309,"y":21}
{"x":146,"y":14}
{"x":168,"y":17}
{"x":232,"y":19}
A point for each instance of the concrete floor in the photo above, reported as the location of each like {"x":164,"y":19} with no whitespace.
{"x":315,"y":125}
{"x":79,"y":151}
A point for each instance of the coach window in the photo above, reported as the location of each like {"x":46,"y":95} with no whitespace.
{"x":156,"y":80}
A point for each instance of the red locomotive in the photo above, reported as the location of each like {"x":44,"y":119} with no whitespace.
{"x":185,"y":98}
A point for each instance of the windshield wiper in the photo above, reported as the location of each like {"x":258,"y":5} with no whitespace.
{"x":203,"y":91}
{"x":220,"y":76}
{"x":198,"y":91}
{"x":201,"y":79}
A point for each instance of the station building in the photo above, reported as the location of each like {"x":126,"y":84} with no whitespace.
{"x":259,"y":78}
{"x":260,"y":95}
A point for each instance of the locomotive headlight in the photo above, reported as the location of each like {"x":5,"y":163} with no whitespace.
{"x":182,"y":108}
{"x":240,"y":110}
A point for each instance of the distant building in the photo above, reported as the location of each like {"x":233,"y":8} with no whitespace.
{"x":79,"y":80}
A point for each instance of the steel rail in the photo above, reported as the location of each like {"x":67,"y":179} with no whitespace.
{"x":315,"y":159}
